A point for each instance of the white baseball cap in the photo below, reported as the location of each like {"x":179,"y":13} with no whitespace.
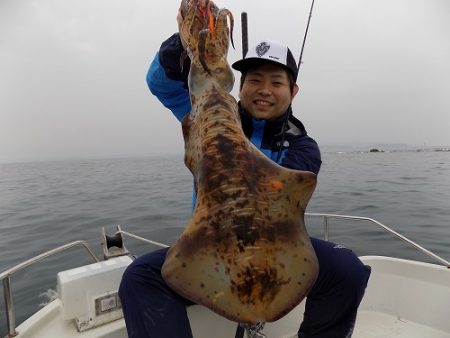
{"x":268,"y":51}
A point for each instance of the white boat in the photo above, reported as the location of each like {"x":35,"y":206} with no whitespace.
{"x":404,"y":298}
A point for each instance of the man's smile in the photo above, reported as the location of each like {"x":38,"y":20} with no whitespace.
{"x":262,"y":103}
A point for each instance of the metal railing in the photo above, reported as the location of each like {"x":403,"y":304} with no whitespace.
{"x":142,"y":239}
{"x":326,"y":234}
{"x":5,"y":277}
{"x":326,"y":229}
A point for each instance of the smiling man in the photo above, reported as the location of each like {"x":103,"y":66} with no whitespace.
{"x":266,"y":92}
{"x":268,"y":86}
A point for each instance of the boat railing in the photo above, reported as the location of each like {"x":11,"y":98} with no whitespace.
{"x":5,"y":277}
{"x":142,"y":239}
{"x":326,"y":233}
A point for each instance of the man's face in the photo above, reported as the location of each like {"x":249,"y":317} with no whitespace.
{"x":266,"y":92}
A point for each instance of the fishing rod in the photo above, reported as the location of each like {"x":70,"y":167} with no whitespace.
{"x":244,"y":28}
{"x":289,"y":111}
{"x":244,"y":34}
{"x":304,"y":38}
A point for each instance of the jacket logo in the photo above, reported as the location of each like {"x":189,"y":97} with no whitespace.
{"x":262,"y":49}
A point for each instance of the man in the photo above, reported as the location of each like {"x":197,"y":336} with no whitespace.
{"x":267,"y":88}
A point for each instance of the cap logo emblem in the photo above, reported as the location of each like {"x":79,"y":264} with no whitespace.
{"x":262,"y":49}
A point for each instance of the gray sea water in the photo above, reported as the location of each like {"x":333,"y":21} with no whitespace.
{"x":47,"y":204}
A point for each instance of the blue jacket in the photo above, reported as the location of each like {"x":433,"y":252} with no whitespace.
{"x":167,"y":80}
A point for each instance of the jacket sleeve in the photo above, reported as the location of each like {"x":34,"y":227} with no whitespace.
{"x":303,"y":154}
{"x":167,"y":81}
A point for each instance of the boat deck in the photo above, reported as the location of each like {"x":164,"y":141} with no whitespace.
{"x":370,"y":324}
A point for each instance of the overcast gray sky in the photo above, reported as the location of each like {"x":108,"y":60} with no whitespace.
{"x":72,"y":73}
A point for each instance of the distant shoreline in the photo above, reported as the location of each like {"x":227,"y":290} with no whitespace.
{"x":326,"y":148}
{"x":380,"y":148}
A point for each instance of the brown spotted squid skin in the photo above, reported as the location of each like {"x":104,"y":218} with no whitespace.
{"x":245,"y":253}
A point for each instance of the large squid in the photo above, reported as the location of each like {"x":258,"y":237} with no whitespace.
{"x":245,"y":253}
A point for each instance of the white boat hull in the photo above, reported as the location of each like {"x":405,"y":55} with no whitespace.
{"x":403,"y":299}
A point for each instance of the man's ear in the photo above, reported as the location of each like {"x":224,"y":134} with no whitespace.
{"x":295,"y":90}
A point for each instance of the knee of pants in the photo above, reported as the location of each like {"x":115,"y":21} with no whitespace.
{"x":339,"y":268}
{"x":143,"y":272}
{"x":135,"y":277}
{"x":354,"y":280}
{"x":126,"y":276}
{"x":126,"y":281}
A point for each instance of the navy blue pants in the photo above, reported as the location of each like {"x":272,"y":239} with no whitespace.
{"x":153,"y":310}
